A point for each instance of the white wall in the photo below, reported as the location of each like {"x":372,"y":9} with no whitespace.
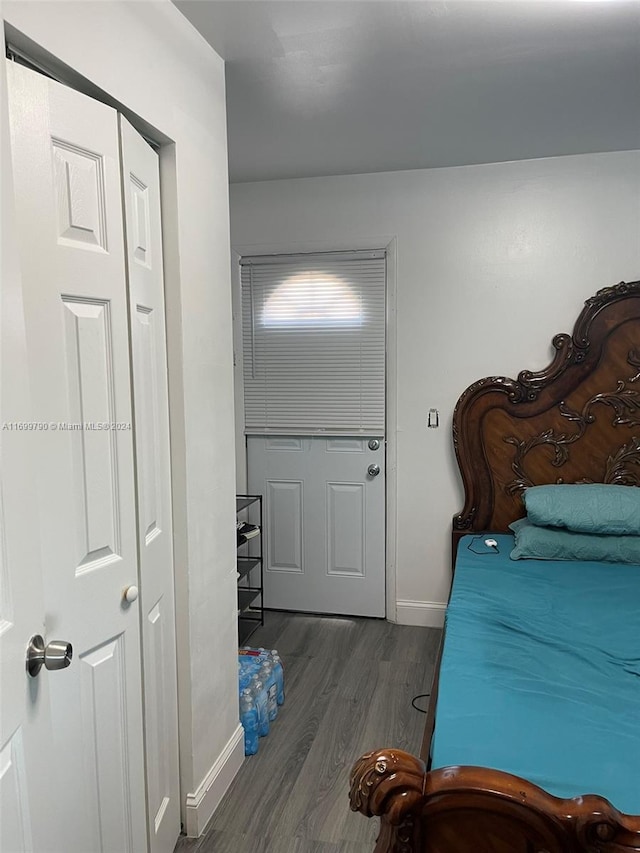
{"x":492,"y":261}
{"x":147,"y":57}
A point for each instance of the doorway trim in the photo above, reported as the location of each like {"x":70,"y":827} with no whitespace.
{"x":387,"y":243}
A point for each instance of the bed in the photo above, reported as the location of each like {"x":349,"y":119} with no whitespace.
{"x":531,"y":646}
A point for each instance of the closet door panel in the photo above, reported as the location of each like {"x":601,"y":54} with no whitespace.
{"x":141,"y":192}
{"x":66,"y":166}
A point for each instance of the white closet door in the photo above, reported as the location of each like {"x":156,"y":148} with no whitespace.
{"x":26,"y":773}
{"x":141,"y":192}
{"x":68,"y":201}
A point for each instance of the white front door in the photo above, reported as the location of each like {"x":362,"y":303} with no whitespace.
{"x":141,"y":193}
{"x":68,"y":203}
{"x":324,"y":520}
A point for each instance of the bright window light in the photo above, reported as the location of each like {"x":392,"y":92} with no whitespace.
{"x":313,"y":299}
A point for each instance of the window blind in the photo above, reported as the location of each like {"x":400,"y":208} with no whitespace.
{"x":313,"y":331}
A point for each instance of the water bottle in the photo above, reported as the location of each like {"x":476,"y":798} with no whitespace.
{"x":269,"y":680}
{"x":260,"y":698}
{"x":278,"y":671}
{"x":244,"y":681}
{"x":250,"y":660}
{"x":249,"y":720}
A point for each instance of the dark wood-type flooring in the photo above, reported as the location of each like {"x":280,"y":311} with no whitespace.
{"x":349,"y":685}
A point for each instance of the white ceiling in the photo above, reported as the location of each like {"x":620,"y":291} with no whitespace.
{"x":348,"y":86}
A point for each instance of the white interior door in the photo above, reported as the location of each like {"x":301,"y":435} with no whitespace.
{"x":324,"y":519}
{"x":68,"y":202}
{"x":27,"y":775}
{"x":141,"y":193}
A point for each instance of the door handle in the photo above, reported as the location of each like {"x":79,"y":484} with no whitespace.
{"x":56,"y":654}
{"x":130,"y":594}
{"x":373,"y":470}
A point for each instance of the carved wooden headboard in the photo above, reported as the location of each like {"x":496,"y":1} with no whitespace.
{"x":577,"y":421}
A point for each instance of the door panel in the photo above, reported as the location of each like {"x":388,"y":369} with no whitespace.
{"x":80,"y":196}
{"x":141,"y":192}
{"x":105,"y":744}
{"x":16,"y":808}
{"x":324,"y":523}
{"x":27,"y":772}
{"x":345,"y":445}
{"x":65,"y":152}
{"x":90,"y":392}
{"x":284,"y":514}
{"x":345,"y":529}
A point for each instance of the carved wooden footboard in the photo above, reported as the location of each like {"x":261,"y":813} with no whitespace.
{"x":477,"y":810}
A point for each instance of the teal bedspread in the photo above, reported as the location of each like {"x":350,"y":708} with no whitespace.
{"x":540,"y":673}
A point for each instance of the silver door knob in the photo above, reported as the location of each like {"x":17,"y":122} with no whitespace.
{"x":373,"y":470}
{"x":56,"y":654}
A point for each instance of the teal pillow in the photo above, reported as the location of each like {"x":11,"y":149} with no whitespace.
{"x":588,"y":508}
{"x":548,"y":543}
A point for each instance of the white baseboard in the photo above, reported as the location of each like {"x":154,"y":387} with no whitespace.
{"x":427,"y":614}
{"x":202,"y":804}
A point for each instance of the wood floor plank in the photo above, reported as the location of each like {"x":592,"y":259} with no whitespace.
{"x":384,"y":718}
{"x":225,"y":842}
{"x":391,"y":722}
{"x":268,"y":634}
{"x":323,"y":780}
{"x":260,"y":792}
{"x":313,"y":636}
{"x":349,"y":685}
{"x":410,"y":643}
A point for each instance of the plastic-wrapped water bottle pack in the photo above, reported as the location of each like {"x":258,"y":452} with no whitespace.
{"x":261,"y":688}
